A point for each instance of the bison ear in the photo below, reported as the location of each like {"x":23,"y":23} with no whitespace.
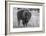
{"x":19,"y":8}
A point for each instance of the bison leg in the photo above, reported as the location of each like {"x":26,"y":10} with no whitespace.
{"x":23,"y":23}
{"x":26,"y":24}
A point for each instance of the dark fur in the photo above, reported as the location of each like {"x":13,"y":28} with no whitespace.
{"x":23,"y":15}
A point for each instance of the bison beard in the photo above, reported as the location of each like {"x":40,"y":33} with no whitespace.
{"x":23,"y":15}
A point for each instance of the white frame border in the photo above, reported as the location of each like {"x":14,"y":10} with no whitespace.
{"x":26,"y":29}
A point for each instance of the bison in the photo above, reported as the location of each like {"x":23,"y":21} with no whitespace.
{"x":23,"y":15}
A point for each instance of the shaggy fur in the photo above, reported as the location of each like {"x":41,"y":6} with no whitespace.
{"x":23,"y":15}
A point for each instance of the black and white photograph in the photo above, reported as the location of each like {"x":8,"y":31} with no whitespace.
{"x":26,"y":17}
